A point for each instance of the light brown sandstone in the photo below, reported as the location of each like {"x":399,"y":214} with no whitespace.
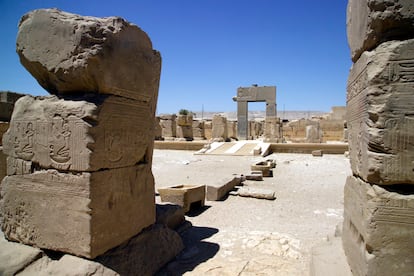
{"x":84,"y":214}
{"x":67,"y":53}
{"x":378,"y":229}
{"x":85,"y":134}
{"x":380,"y":98}
{"x":371,"y":22}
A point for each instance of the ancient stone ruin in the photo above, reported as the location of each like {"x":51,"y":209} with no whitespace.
{"x":79,"y":161}
{"x":378,"y":229}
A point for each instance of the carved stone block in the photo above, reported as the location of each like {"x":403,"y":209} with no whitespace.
{"x":370,"y":22}
{"x":378,"y":229}
{"x":168,"y":126}
{"x":184,"y":195}
{"x":72,"y":54}
{"x":84,"y":214}
{"x":219,"y":127}
{"x":380,"y":118}
{"x":90,"y":134}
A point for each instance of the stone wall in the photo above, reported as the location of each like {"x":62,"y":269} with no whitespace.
{"x":378,"y":229}
{"x":79,"y":164}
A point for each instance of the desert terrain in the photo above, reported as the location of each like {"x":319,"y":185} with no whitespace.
{"x":250,"y":236}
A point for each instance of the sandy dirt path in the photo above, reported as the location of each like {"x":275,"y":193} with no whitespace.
{"x":248,"y":236}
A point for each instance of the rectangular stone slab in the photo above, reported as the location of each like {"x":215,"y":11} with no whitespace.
{"x":378,"y":229}
{"x":219,"y":189}
{"x":85,"y":134}
{"x":83,"y":214}
{"x":380,"y":117}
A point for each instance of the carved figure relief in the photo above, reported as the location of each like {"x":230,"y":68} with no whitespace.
{"x":59,"y":142}
{"x":24,"y":140}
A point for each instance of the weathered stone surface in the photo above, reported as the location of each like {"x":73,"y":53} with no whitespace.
{"x":219,"y":127}
{"x":318,"y":153}
{"x":15,"y":256}
{"x":144,"y":254}
{"x":83,"y":214}
{"x":170,"y":215}
{"x":68,"y":53}
{"x":198,"y":130}
{"x":84,"y":134}
{"x":256,"y":193}
{"x":185,"y":120}
{"x":67,"y":266}
{"x":380,"y":121}
{"x":371,"y":22}
{"x":168,"y":126}
{"x":378,"y":229}
{"x":272,"y":129}
{"x":218,"y":190}
{"x":255,"y":175}
{"x":265,"y":167}
{"x":184,"y":195}
{"x":313,"y":134}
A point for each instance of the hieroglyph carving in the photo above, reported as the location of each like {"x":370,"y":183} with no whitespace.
{"x":80,"y":135}
{"x":380,"y":120}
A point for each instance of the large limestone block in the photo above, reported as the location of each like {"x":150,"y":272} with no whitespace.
{"x":378,"y":229}
{"x":371,"y":22}
{"x":219,"y":127}
{"x":84,"y":214}
{"x":68,"y":53}
{"x":380,"y":118}
{"x":85,"y":134}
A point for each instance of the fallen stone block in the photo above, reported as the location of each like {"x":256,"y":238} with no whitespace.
{"x":256,"y":193}
{"x":84,"y":214}
{"x":328,"y":258}
{"x":72,"y":54}
{"x":378,"y":228}
{"x":371,"y":22}
{"x":255,"y":175}
{"x":171,"y":215}
{"x":144,"y":254}
{"x":14,"y":257}
{"x":184,"y":195}
{"x":379,"y":96}
{"x":317,"y":153}
{"x":264,"y":167}
{"x":219,"y":189}
{"x":80,"y":134}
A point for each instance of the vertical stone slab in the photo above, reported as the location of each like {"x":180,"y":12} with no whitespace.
{"x":84,"y":214}
{"x":378,"y":229}
{"x":219,"y":127}
{"x":242,"y":121}
{"x":168,"y":126}
{"x":198,"y":130}
{"x":380,"y":122}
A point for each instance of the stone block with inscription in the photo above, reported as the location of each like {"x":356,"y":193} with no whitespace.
{"x":84,"y":213}
{"x":86,"y":134}
{"x":380,"y":101}
{"x":371,"y":22}
{"x":73,"y":54}
{"x":378,"y":228}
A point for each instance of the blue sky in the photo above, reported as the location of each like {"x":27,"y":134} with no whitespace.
{"x":210,"y":48}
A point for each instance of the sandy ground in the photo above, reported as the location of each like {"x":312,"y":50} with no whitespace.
{"x":248,"y":236}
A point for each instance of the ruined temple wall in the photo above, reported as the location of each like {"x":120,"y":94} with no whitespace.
{"x":378,"y":228}
{"x":79,"y":174}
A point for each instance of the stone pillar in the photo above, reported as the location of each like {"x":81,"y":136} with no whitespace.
{"x":168,"y":126}
{"x":79,"y":164}
{"x":272,"y":130}
{"x":198,"y":130}
{"x":219,"y":128}
{"x":378,"y":224}
{"x":185,"y":127}
{"x":242,"y":120}
{"x":313,"y":134}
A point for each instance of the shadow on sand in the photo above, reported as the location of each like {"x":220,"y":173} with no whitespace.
{"x":195,"y":252}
